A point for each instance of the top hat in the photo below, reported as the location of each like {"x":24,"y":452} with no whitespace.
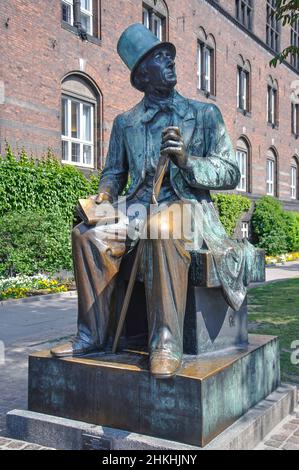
{"x":136,"y":43}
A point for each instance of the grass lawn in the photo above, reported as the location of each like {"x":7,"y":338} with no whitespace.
{"x":274,"y":310}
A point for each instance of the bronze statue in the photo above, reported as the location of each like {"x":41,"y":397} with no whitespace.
{"x":201,"y":158}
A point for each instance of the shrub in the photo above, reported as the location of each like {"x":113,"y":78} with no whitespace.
{"x":32,"y":242}
{"x":292,"y":224}
{"x":230,"y":208}
{"x":270,"y":226}
{"x":28,"y":184}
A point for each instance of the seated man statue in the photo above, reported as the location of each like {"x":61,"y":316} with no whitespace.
{"x":201,"y":158}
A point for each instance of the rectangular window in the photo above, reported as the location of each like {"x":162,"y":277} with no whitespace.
{"x":157,"y":26}
{"x":295,"y":119}
{"x":273,"y":28}
{"x":270,"y":177}
{"x":244,"y":13}
{"x":293,"y":182}
{"x":146,"y":17}
{"x":242,"y":162}
{"x":77,"y":132}
{"x":205,"y":68}
{"x":295,"y":43}
{"x":272,"y":105}
{"x":154,"y":22}
{"x":243,"y":89}
{"x":67,"y":11}
{"x":87,"y":16}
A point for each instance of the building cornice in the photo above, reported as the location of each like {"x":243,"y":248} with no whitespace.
{"x":249,"y":33}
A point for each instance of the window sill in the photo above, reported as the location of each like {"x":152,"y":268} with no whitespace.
{"x":244,"y":112}
{"x":207,"y":94}
{"x":78,"y":165}
{"x":72,"y":29}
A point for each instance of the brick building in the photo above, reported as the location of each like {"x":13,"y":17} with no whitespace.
{"x":62,"y":82}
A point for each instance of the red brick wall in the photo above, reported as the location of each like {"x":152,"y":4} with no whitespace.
{"x":36,"y":53}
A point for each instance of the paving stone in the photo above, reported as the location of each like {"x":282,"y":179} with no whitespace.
{"x":16,"y":445}
{"x":280,"y":437}
{"x":294,"y":421}
{"x":294,"y":440}
{"x":4,"y":440}
{"x":32,"y":447}
{"x":273,"y":443}
{"x":290,"y":446}
{"x":291,"y":427}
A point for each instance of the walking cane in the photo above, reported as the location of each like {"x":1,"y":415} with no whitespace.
{"x":158,"y":180}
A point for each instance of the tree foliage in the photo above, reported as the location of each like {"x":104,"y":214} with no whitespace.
{"x":287,"y":12}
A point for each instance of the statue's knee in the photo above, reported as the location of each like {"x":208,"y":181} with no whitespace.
{"x":80,"y":233}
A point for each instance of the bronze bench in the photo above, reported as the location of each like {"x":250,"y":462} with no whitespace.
{"x":210,"y":324}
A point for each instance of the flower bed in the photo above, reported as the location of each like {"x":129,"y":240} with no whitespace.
{"x":282,"y":259}
{"x":26,"y":286}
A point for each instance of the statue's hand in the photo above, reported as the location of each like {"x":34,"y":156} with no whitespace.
{"x":103,"y":197}
{"x":173,"y":146}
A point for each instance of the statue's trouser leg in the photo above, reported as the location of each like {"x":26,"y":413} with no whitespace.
{"x":166,"y":284}
{"x":97,"y":254}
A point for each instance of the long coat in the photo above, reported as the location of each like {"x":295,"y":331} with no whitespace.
{"x":212,"y":165}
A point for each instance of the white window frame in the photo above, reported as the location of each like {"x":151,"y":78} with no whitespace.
{"x":272,"y":92}
{"x":208,"y":58}
{"x":146,"y":17}
{"x":89,"y":14}
{"x":270,"y":177}
{"x":295,"y":112}
{"x":199,"y":59}
{"x":242,"y":158}
{"x":294,"y":176}
{"x":70,"y":3}
{"x":70,"y":140}
{"x":160,"y":26}
{"x":204,"y":55}
{"x":245,"y":229}
{"x":243,"y":99}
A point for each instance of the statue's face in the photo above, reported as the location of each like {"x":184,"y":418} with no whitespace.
{"x":160,"y":69}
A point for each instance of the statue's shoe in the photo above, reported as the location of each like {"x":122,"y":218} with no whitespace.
{"x":75,"y":348}
{"x":164,"y":365}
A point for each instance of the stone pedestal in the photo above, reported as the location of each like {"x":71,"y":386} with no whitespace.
{"x":208,"y":395}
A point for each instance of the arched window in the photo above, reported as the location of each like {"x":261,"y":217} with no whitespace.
{"x":271,"y":173}
{"x":243,"y":157}
{"x":243,"y":85}
{"x":294,"y":178}
{"x":80,"y":122}
{"x":272,"y":102}
{"x":206,"y":63}
{"x":155,"y":17}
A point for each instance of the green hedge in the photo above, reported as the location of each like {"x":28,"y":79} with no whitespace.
{"x":292,"y":233}
{"x":41,"y":185}
{"x":230,"y":208}
{"x":37,"y":202}
{"x":270,"y":226}
{"x":33,"y":242}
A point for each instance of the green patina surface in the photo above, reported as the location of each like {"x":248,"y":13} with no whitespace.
{"x":274,"y":310}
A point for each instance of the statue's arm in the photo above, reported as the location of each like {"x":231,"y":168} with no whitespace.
{"x":218,"y":167}
{"x":115,"y":173}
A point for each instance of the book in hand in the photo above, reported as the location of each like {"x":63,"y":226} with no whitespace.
{"x":97,"y":214}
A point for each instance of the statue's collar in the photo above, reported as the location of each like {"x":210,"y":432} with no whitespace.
{"x":175,"y":102}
